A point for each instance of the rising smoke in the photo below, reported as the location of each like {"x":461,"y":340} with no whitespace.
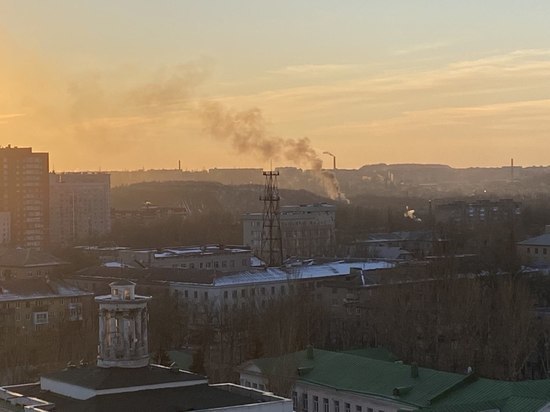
{"x":247,"y":132}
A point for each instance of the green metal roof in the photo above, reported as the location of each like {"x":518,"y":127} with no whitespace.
{"x":482,"y":394}
{"x":432,"y":390}
{"x":344,"y":371}
{"x":374,"y":353}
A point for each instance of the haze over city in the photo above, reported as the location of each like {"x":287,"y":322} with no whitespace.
{"x":136,"y":84}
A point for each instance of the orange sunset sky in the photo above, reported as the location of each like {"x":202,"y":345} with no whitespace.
{"x":126,"y":84}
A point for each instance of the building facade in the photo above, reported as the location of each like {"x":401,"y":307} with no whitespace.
{"x":5,"y":228}
{"x":24,"y":193}
{"x":535,"y":251}
{"x":306,"y":230}
{"x":80,"y":207}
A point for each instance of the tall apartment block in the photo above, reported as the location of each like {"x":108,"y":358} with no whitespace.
{"x":306,"y":230}
{"x":80,"y":207}
{"x":24,"y":195}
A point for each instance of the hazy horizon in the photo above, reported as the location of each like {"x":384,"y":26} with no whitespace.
{"x":135,"y":84}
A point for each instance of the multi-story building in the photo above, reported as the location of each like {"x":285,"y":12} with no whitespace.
{"x":535,"y":251}
{"x":478,"y":211}
{"x":306,"y":230}
{"x":80,"y":207}
{"x":24,"y":193}
{"x":210,"y":293}
{"x":5,"y":228}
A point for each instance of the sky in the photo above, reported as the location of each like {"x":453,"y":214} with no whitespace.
{"x":133,"y":84}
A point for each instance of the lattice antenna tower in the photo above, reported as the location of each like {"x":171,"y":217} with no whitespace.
{"x":271,"y":245}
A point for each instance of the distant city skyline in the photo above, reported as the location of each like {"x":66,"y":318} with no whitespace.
{"x":136,"y":84}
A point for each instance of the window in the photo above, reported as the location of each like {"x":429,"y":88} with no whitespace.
{"x":234,"y":294}
{"x":295,"y":400}
{"x":195,"y":294}
{"x":206,"y":295}
{"x":272,"y":290}
{"x":315,"y":404}
{"x":225,"y":294}
{"x":370,"y":410}
{"x":325,"y":405}
{"x":186,"y":293}
{"x":347,"y":407}
{"x":358,"y":408}
{"x":305,"y":404}
{"x":40,"y":318}
{"x":243,"y":293}
{"x":336,"y":406}
{"x":528,"y":250}
{"x":536,"y":251}
{"x":262,"y":290}
{"x":75,"y":311}
{"x":283,"y":291}
{"x":544,"y":251}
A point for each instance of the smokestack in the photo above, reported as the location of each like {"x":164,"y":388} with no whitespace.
{"x":333,"y":159}
{"x":179,"y":165}
{"x":512,"y":169}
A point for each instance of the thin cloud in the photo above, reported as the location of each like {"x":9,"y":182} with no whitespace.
{"x":419,"y":48}
{"x":316,"y":69}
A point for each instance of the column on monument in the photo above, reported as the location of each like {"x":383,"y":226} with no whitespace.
{"x":101,"y":348}
{"x":139,"y":340}
{"x":144,"y":330}
{"x":133,"y":331}
{"x":125,"y":333}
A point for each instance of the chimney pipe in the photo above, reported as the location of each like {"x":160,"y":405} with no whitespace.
{"x":414,"y":370}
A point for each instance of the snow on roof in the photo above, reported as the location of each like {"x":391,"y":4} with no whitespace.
{"x":338,"y":268}
{"x":542,"y":240}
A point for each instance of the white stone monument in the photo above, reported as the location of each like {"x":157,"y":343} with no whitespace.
{"x":123,"y":319}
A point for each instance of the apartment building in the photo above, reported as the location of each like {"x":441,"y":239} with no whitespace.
{"x":24,"y":193}
{"x":80,"y":207}
{"x":5,"y":228}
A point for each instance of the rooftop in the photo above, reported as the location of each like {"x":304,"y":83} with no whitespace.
{"x":303,"y":271}
{"x":27,"y":258}
{"x":97,"y":378}
{"x":542,"y":240}
{"x":37,"y":288}
{"x":196,"y":397}
{"x":373,"y":372}
{"x":367,"y":376}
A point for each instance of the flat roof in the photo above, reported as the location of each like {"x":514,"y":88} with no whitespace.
{"x":196,"y":397}
{"x":94,"y":377}
{"x":37,"y":288}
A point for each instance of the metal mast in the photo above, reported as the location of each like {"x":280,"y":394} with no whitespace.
{"x":271,"y":245}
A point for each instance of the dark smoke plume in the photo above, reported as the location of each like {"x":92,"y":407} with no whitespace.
{"x":247,"y":132}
